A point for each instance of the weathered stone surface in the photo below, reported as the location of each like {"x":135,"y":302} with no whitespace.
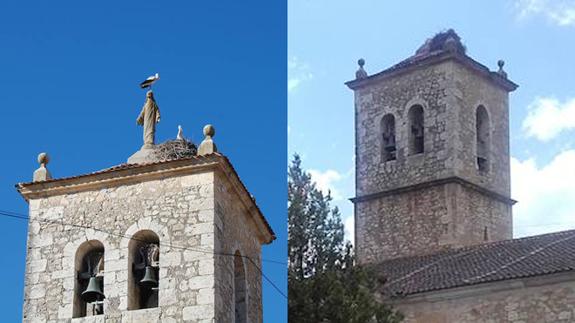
{"x":207,"y":146}
{"x":532,"y":300}
{"x":425,"y":220}
{"x":235,"y":229}
{"x":195,"y":285}
{"x":416,"y":204}
{"x":142,"y":156}
{"x":42,"y":173}
{"x":393,"y":221}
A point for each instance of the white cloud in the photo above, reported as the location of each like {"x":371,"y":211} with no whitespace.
{"x":327,"y":180}
{"x":547,"y":117}
{"x":560,"y":12}
{"x":293,"y":83}
{"x":349,"y":228}
{"x":298,"y":72}
{"x":324,"y":181}
{"x":546,"y":195}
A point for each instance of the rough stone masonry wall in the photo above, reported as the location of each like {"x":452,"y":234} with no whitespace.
{"x":470,"y":91}
{"x":427,"y":220}
{"x":400,"y":225}
{"x":534,"y":300}
{"x":478,"y":218}
{"x":428,"y":87}
{"x":449,"y":94}
{"x":424,"y":220}
{"x":180,"y":210}
{"x":235,"y":231}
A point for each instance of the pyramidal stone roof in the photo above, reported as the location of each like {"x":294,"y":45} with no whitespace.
{"x":442,"y":42}
{"x":490,"y":262}
{"x":445,"y":45}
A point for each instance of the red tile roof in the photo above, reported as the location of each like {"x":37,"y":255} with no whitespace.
{"x":509,"y":259}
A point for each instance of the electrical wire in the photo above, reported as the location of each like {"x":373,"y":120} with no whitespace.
{"x":25,"y":217}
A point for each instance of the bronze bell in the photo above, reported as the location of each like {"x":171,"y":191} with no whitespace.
{"x":149,"y":280}
{"x":93,"y":292}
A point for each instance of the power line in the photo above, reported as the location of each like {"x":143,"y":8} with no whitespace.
{"x":25,"y":217}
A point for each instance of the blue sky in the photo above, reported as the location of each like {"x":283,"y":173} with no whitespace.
{"x":536,"y":38}
{"x":69,"y":86}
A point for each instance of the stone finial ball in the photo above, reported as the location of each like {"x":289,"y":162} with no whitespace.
{"x":500,"y":63}
{"x":209,"y":130}
{"x":361,"y":62}
{"x":43,"y":158}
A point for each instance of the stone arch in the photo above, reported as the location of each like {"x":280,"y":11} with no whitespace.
{"x":416,"y":129}
{"x":143,"y":270}
{"x":388,"y":137}
{"x":148,"y":224}
{"x":88,"y":272}
{"x":482,"y":138}
{"x":240,"y":289}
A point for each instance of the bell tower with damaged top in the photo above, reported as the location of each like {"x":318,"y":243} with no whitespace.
{"x":432,"y":153}
{"x":170,"y":236}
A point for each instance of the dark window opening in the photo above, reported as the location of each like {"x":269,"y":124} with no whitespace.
{"x":388,"y":138}
{"x":416,"y":130}
{"x":482,"y":133}
{"x":89,"y":284}
{"x":240,"y":292}
{"x":143,"y":276}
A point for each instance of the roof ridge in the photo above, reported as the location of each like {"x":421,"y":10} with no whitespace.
{"x":124,"y":166}
{"x":519,"y":259}
{"x":513,"y":240}
{"x":479,"y":245}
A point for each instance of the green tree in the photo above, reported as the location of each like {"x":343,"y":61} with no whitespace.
{"x":324,"y":284}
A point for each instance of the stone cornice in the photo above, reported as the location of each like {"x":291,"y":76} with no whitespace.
{"x":111,"y":178}
{"x":454,"y":179}
{"x":132,"y":174}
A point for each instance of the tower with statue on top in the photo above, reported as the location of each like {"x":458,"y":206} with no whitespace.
{"x":173,"y":235}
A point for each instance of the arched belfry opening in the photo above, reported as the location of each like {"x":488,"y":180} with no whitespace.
{"x":416,"y":129}
{"x":389,"y":150}
{"x":240,"y":291}
{"x":143,"y":270}
{"x":482,"y":138}
{"x":89,"y":282}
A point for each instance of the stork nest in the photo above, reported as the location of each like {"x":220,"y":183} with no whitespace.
{"x":175,"y":149}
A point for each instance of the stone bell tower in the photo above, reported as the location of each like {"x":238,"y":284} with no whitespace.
{"x":432,"y":153}
{"x":171,"y":236}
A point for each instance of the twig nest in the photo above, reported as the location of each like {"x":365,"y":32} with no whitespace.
{"x":174,"y":149}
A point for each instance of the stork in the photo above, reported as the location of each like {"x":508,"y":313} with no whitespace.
{"x":149,"y":81}
{"x":180,"y":133}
